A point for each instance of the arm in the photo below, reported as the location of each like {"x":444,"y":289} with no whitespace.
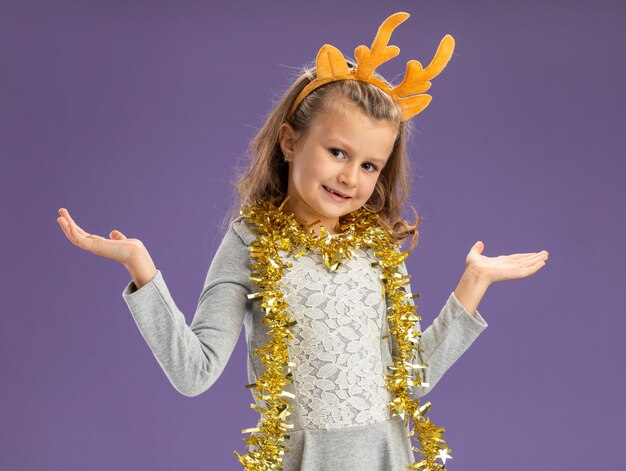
{"x":470,"y":290}
{"x":445,"y":340}
{"x":193,"y":357}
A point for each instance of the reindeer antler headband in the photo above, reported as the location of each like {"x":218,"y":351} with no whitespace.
{"x":331,"y":66}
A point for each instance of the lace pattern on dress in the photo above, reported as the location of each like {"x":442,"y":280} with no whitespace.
{"x":339,"y":376}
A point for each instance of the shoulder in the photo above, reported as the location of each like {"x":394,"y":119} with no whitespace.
{"x":231,"y":261}
{"x":236,"y":240}
{"x":243,"y":229}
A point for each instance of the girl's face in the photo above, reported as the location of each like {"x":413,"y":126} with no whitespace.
{"x":333,"y":168}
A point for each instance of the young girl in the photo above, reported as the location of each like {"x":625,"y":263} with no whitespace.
{"x":311,"y":267}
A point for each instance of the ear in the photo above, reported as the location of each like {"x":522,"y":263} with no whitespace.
{"x":287,"y":138}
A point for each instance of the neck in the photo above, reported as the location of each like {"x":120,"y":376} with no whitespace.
{"x":329,"y":230}
{"x":330,"y":226}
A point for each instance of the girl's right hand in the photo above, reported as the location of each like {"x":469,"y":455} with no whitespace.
{"x":117,"y":248}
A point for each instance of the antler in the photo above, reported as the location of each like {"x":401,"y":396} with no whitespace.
{"x":368,"y":59}
{"x":416,"y":79}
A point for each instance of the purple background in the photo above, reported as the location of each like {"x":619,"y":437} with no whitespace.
{"x":134,"y":115}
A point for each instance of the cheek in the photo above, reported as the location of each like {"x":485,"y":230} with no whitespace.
{"x":302,"y":175}
{"x":316,"y":171}
{"x":306,"y":174}
{"x":368,"y":188}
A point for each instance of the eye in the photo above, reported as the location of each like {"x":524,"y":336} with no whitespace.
{"x":370,"y":167}
{"x":333,"y":150}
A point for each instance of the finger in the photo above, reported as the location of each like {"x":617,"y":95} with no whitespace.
{"x":525,"y":271}
{"x":534,"y":256}
{"x":537,"y":266}
{"x":74,"y":235}
{"x":517,"y":258}
{"x":64,"y":227}
{"x":540,"y":256}
{"x":65,"y":213}
{"x":115,"y":234}
{"x":531,"y":261}
{"x":528,"y":256}
{"x":86,"y":242}
{"x":67,"y":229}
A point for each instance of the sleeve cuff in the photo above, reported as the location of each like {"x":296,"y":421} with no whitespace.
{"x":131,"y":290}
{"x":476,"y":320}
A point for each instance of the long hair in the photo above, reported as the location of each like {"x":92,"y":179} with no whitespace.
{"x":266,"y":174}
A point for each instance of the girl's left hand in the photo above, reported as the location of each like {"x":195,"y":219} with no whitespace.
{"x":503,"y":267}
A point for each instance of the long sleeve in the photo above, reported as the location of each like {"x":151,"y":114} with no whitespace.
{"x":193,"y":357}
{"x":445,"y":340}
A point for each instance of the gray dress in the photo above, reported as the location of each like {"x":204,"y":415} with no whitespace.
{"x":340,"y":414}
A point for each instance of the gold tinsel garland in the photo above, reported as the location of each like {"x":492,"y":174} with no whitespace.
{"x":277,"y":230}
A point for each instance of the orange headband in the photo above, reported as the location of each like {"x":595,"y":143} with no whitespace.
{"x":331,"y":66}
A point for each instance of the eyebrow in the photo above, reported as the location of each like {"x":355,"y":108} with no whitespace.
{"x":340,"y":143}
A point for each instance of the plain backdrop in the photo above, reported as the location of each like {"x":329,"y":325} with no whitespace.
{"x":135,"y":115}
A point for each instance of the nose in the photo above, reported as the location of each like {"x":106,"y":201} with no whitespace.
{"x":349,"y":175}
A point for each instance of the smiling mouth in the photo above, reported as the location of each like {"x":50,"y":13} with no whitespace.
{"x":333,"y":192}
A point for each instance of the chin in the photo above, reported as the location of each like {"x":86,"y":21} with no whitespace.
{"x":341,"y":214}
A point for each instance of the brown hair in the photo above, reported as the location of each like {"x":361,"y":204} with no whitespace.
{"x":267,"y":172}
